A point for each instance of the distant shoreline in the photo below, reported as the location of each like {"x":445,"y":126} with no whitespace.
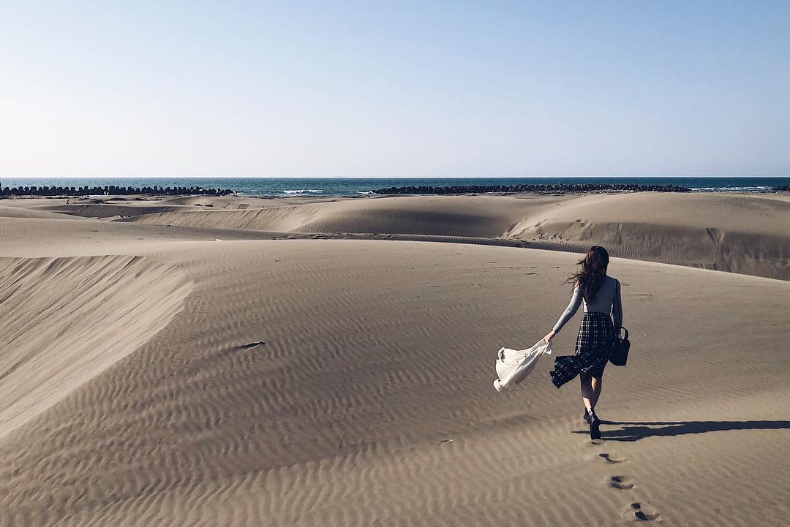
{"x":557,"y":188}
{"x":355,"y":187}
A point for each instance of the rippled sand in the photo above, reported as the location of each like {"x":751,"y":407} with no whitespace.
{"x":226,"y":361}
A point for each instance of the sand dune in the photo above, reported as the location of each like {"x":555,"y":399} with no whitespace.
{"x":485,"y":216}
{"x":113,"y":210}
{"x":741,"y":233}
{"x":26,"y":213}
{"x":348,"y":382}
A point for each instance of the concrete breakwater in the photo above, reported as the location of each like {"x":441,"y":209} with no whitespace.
{"x":110,"y":190}
{"x":558,"y":187}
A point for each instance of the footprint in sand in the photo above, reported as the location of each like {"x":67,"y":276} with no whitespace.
{"x":621,"y":482}
{"x":641,"y":511}
{"x":612,"y":457}
{"x":589,"y":443}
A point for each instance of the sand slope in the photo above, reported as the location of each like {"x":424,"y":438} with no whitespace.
{"x":65,"y":320}
{"x":739,"y":233}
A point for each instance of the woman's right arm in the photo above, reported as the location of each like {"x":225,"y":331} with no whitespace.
{"x":573,"y":306}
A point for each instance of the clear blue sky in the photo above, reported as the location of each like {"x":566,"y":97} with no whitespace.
{"x":370,"y":88}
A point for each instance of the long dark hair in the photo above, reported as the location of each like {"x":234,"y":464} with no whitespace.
{"x":590,"y":277}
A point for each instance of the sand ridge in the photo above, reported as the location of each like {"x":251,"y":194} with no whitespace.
{"x":740,"y":233}
{"x":486,"y":216}
{"x":65,"y":320}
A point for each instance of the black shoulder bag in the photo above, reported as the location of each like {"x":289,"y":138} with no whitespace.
{"x":620,"y":347}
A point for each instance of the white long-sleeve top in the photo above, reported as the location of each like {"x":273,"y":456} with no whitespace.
{"x":607,"y":300}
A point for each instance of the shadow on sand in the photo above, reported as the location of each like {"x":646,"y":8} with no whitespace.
{"x":636,"y":430}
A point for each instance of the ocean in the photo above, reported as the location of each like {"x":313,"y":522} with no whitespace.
{"x":361,"y":186}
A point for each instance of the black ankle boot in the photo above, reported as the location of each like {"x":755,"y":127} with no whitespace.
{"x":595,"y":423}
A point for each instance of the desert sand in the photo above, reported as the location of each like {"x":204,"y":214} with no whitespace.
{"x":242,"y":361}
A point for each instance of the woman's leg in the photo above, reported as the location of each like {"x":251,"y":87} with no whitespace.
{"x":591,"y":390}
{"x":588,"y":394}
{"x":597,"y":385}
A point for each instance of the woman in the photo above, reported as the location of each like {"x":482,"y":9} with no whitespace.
{"x":600,"y":294}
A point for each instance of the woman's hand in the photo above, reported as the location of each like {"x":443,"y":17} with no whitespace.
{"x":549,"y":336}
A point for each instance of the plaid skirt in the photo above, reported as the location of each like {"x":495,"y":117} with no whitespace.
{"x":593,"y":345}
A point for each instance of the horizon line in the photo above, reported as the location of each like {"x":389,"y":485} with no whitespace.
{"x":391,"y":177}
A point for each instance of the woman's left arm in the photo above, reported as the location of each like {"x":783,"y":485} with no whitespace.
{"x":617,"y":309}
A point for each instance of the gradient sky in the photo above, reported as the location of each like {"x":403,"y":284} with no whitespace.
{"x":370,"y":88}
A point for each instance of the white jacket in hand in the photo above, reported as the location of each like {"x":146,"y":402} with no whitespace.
{"x":513,"y":365}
